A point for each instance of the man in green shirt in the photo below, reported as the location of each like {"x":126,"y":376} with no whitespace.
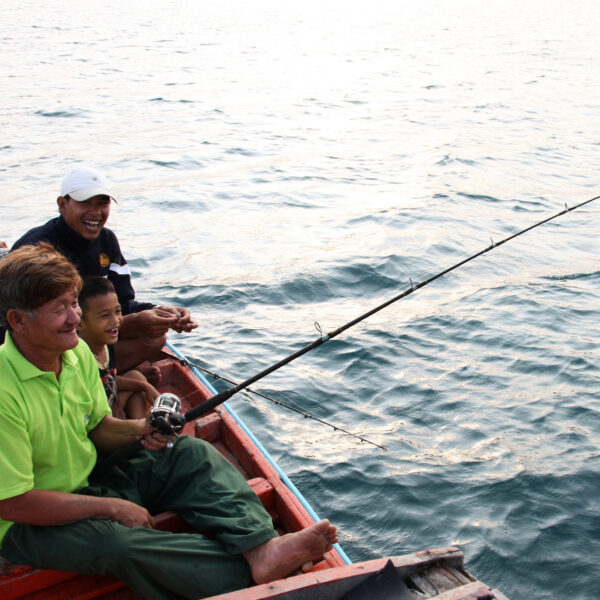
{"x":56,"y":513}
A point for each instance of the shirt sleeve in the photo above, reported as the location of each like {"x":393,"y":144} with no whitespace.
{"x":16,"y":464}
{"x":120,"y":276}
{"x":49,"y":232}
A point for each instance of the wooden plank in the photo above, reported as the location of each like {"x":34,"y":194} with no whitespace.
{"x":334,"y":583}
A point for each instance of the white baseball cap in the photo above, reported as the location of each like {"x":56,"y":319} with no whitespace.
{"x":83,"y":183}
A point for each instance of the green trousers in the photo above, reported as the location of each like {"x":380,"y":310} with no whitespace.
{"x":191,"y":479}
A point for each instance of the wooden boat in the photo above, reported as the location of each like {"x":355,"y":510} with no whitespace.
{"x":430,"y":574}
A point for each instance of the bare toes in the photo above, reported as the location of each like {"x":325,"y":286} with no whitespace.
{"x":307,"y":566}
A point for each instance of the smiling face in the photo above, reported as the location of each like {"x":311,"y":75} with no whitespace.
{"x":51,"y":328}
{"x":87,"y":218}
{"x":101,"y":320}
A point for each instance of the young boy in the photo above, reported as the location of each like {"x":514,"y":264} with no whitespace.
{"x":130,"y":395}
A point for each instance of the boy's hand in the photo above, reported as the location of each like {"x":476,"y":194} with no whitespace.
{"x":150,"y":393}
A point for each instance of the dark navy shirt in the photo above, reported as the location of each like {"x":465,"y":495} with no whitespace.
{"x":101,"y":256}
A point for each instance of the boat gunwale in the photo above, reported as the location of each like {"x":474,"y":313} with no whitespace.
{"x":282,"y":475}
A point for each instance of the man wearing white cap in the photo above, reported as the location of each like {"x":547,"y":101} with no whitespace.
{"x":79,"y":233}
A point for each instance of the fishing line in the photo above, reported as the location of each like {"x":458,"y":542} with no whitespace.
{"x":186,"y":362}
{"x":226,"y":394}
{"x":221,"y":397}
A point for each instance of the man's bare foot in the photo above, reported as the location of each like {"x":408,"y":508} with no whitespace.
{"x":283,"y":555}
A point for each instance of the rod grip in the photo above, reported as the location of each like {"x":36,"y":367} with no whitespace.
{"x":209,"y":404}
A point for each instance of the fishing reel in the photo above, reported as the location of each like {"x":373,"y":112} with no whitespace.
{"x":165,"y":415}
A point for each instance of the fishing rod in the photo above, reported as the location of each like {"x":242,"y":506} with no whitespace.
{"x":170,"y":422}
{"x":186,"y":362}
{"x":166,"y":418}
{"x":221,"y":397}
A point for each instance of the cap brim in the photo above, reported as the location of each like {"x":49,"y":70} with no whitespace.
{"x":87,"y":193}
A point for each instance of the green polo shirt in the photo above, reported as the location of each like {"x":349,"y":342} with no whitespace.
{"x":44,"y":422}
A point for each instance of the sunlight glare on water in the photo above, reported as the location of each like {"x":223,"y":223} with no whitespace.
{"x":278,"y":164}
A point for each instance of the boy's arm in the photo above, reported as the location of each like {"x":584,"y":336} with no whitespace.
{"x":47,"y":508}
{"x":135,"y":384}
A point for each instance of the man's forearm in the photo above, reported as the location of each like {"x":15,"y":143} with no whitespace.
{"x":129,"y":326}
{"x":47,"y":507}
{"x":111,"y":433}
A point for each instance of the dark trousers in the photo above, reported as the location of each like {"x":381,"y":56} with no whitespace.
{"x":191,"y":479}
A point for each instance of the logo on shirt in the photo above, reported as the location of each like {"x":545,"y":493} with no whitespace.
{"x":104,"y":259}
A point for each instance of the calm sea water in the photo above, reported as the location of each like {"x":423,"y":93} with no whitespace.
{"x":278,"y":164}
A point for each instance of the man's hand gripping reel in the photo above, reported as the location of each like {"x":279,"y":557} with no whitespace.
{"x":166,"y":417}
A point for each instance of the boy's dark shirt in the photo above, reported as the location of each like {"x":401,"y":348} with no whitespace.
{"x":101,"y":256}
{"x":108,"y":376}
